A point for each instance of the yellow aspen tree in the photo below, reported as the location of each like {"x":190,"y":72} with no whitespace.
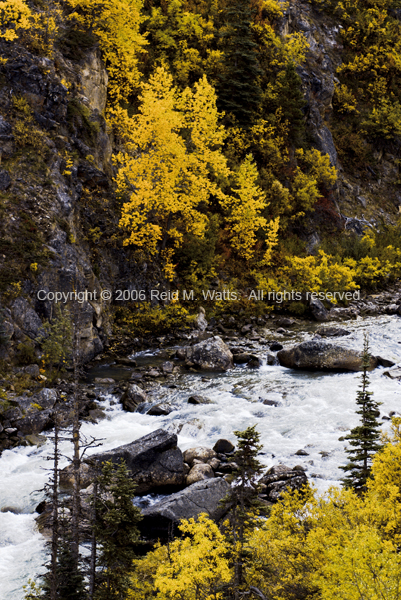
{"x":172,"y":165}
{"x":115,"y":23}
{"x":245,"y":209}
{"x":198,"y":564}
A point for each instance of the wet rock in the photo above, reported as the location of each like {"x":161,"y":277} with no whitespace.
{"x":200,"y":453}
{"x":394,"y":373}
{"x":133,"y":397}
{"x":268,"y":402}
{"x":332,"y":332}
{"x":36,"y":440}
{"x":196,"y":399}
{"x":301,"y":453}
{"x":159,"y":410}
{"x":271,"y":360}
{"x":223,"y":446}
{"x":317,"y":355}
{"x":241,"y":358}
{"x":199,"y":472}
{"x":129,"y":362}
{"x":385,"y":362}
{"x":275,"y":346}
{"x":280,"y":479}
{"x":104,"y":380}
{"x":97,"y":414}
{"x":161,"y":519}
{"x":318,"y":310}
{"x":210,"y":355}
{"x":255,"y":362}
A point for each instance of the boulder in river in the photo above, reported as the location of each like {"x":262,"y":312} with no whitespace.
{"x":154,"y":460}
{"x":210,"y":355}
{"x":200,"y":453}
{"x":318,"y":355}
{"x":161,"y":519}
{"x":332,"y":332}
{"x":133,"y":397}
{"x":280,"y":479}
{"x":394,"y":373}
{"x":199,"y":472}
{"x":223,"y":446}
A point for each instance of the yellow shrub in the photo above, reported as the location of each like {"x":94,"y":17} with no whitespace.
{"x":15,"y":15}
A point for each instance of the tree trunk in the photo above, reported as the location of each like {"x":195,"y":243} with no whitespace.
{"x":55,"y":524}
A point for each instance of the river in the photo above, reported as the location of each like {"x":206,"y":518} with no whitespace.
{"x":314,"y":409}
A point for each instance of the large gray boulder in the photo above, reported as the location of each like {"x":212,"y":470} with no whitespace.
{"x":318,"y":355}
{"x":210,"y":355}
{"x":155,"y":462}
{"x":162,"y":518}
{"x":133,"y":397}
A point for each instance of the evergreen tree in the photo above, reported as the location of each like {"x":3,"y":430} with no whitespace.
{"x":291,"y":102}
{"x":239,"y":91}
{"x":116,"y":531}
{"x":243,"y":500}
{"x":363,"y":439}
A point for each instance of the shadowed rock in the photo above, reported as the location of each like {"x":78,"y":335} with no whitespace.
{"x":154,"y":461}
{"x":162,"y":518}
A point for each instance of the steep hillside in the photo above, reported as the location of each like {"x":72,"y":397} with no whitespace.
{"x":255,"y":200}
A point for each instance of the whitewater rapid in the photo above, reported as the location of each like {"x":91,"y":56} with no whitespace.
{"x":314,"y":410}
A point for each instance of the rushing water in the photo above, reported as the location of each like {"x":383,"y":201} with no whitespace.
{"x":314,"y":410}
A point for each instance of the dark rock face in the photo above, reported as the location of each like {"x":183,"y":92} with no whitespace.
{"x":200,"y":497}
{"x":133,"y":397}
{"x":322,"y":355}
{"x":5,"y":180}
{"x":154,"y":460}
{"x":280,"y":479}
{"x":318,"y":311}
{"x":210,"y":355}
{"x":26,"y":318}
